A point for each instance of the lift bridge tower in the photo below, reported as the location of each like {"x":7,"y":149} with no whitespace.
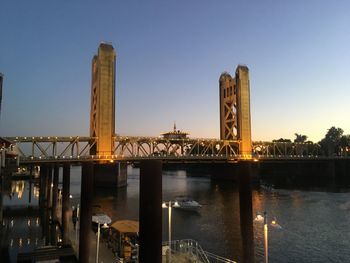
{"x":235,"y":119}
{"x":102,"y":116}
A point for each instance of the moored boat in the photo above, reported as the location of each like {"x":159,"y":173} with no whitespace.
{"x":186,"y":203}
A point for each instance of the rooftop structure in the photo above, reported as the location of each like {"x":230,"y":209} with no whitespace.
{"x":175,"y":134}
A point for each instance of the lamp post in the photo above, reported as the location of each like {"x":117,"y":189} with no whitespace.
{"x":104,"y":220}
{"x":273,"y":224}
{"x":98,"y":239}
{"x":169,"y":205}
{"x":259,"y":218}
{"x":266,"y":238}
{"x":78,"y":223}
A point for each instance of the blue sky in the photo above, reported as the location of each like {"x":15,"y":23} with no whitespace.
{"x":170,"y":54}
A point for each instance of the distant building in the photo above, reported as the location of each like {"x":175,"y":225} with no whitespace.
{"x":175,"y":134}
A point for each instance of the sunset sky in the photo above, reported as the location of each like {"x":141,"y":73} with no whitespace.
{"x":170,"y":54}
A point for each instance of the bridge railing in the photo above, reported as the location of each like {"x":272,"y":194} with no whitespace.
{"x":130,"y":148}
{"x":126,"y":148}
{"x":155,"y":146}
{"x":285,"y":149}
{"x":52,"y":147}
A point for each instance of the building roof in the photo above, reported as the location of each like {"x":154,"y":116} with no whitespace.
{"x":175,"y":133}
{"x":126,"y":226}
{"x":225,"y":75}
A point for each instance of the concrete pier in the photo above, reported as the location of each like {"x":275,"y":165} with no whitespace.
{"x":246,"y":211}
{"x":55,"y":192}
{"x":87,"y":187}
{"x":49,"y":188}
{"x":150,"y":212}
{"x":1,"y":201}
{"x":110,"y":175}
{"x":65,"y":203}
{"x":30,"y":184}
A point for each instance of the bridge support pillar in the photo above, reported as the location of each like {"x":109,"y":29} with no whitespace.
{"x":43,"y":200}
{"x":150,"y":212}
{"x":46,"y":186}
{"x":246,"y":211}
{"x":30,"y":184}
{"x":1,"y":201}
{"x":110,"y":174}
{"x":49,"y":188}
{"x":65,"y":203}
{"x":55,"y":192}
{"x":3,"y":156}
{"x":87,"y":187}
{"x":42,"y":185}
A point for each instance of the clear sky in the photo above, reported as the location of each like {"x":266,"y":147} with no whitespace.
{"x":170,"y":54}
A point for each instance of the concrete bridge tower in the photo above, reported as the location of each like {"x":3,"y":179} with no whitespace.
{"x":102,"y":115}
{"x":235,"y":120}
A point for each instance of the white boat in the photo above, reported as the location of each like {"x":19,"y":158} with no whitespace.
{"x":186,"y":203}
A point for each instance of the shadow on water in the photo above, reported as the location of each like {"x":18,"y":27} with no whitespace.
{"x":309,"y":183}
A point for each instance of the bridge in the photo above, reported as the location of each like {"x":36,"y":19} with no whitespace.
{"x":104,"y":145}
{"x":132,"y":149}
{"x":104,"y":155}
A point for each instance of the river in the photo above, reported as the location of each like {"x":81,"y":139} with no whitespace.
{"x":315,"y":224}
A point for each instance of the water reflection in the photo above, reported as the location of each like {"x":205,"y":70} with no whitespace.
{"x":20,"y":193}
{"x":17,"y":188}
{"x":21,"y":228}
{"x":20,"y":235}
{"x":314,"y":224}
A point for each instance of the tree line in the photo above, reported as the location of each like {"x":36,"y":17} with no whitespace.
{"x":335,"y":142}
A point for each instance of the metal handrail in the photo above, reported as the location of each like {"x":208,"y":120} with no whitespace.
{"x":193,"y":248}
{"x":190,"y":247}
{"x":218,"y":259}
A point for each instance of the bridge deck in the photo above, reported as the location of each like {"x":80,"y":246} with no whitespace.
{"x":76,"y":149}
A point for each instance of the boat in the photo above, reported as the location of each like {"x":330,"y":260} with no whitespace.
{"x":267,"y":187}
{"x":186,"y":203}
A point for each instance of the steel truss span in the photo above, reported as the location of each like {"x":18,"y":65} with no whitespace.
{"x":127,"y":148}
{"x":130,"y":148}
{"x":285,"y":150}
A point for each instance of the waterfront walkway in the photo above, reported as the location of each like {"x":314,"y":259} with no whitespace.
{"x":189,"y":255}
{"x":105,"y":254}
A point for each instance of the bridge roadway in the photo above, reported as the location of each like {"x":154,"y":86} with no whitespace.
{"x":76,"y":149}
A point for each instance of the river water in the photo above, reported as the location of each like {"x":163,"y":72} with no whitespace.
{"x":315,"y":224}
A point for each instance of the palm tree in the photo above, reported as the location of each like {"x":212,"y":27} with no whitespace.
{"x":300,"y":138}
